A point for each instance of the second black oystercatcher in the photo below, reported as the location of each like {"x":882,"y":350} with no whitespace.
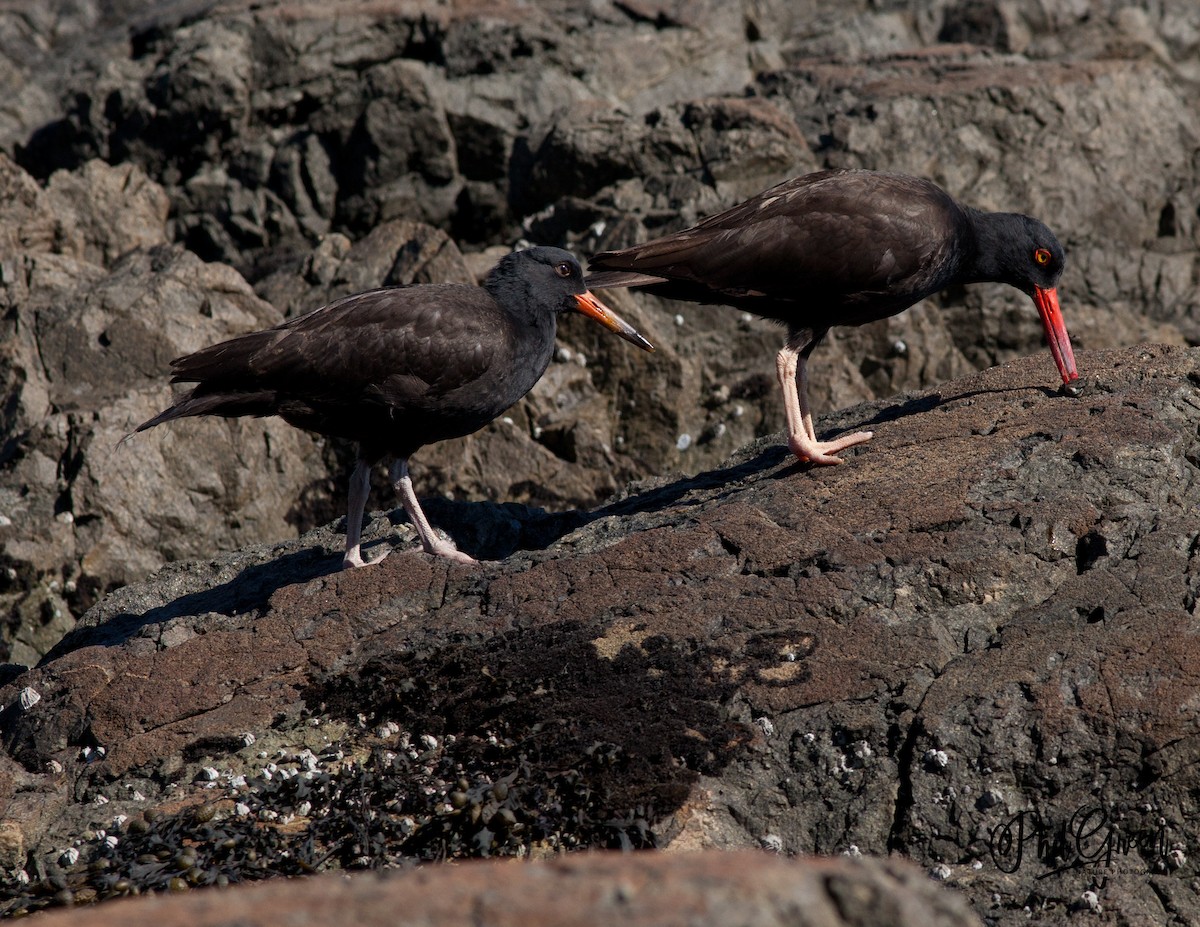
{"x":843,"y":247}
{"x":397,"y":368}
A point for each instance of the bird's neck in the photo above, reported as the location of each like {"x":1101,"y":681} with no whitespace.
{"x":986,"y":248}
{"x":533,"y":326}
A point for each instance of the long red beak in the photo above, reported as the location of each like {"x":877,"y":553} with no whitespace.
{"x":1046,"y":301}
{"x":592,"y":307}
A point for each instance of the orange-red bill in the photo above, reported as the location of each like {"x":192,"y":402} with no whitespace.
{"x":592,"y":307}
{"x":1046,"y":301}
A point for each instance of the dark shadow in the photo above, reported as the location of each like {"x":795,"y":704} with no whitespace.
{"x":927,"y":402}
{"x":474,"y":526}
{"x":488,"y":531}
{"x":496,"y":531}
{"x":659,"y":498}
{"x":251,"y":589}
{"x":592,"y":750}
{"x":898,"y":410}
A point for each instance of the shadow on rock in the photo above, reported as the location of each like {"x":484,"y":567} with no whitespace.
{"x":554,"y":736}
{"x":488,"y":531}
{"x":249,"y":590}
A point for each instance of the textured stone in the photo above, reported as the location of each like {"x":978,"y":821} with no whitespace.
{"x":985,"y":612}
{"x":714,"y":889}
{"x":760,"y":654}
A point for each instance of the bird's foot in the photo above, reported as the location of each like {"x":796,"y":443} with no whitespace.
{"x":354,"y":558}
{"x":822,"y":452}
{"x":441,"y":548}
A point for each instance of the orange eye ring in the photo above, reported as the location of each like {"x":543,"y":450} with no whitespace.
{"x":1042,"y":256}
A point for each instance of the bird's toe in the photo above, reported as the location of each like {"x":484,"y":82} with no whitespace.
{"x":442,"y":548}
{"x":824,"y":452}
{"x":859,"y":437}
{"x":354,"y":559}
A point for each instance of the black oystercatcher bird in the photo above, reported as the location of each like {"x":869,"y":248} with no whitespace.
{"x":843,"y":248}
{"x":397,"y":368}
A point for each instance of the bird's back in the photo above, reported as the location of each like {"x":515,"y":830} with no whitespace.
{"x":846,"y":246}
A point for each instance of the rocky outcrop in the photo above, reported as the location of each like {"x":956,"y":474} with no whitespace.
{"x":983,"y":617}
{"x":707,"y":890}
{"x":97,"y":302}
{"x":306,"y":161}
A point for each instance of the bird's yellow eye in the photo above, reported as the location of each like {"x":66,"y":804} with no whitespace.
{"x":563,"y":269}
{"x":1042,"y":256}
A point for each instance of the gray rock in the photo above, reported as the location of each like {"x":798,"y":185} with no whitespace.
{"x":1003,"y":578}
{"x":1025,"y":621}
{"x":84,"y":354}
{"x":709,"y":890}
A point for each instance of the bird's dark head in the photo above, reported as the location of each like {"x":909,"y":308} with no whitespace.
{"x":1043,"y":256}
{"x":558,"y":269}
{"x":548,"y":278}
{"x":1024,"y":253}
{"x":1018,"y":250}
{"x":552,"y":278}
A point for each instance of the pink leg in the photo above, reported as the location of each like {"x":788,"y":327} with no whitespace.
{"x":356,"y":504}
{"x":791,"y":368}
{"x":430,"y":540}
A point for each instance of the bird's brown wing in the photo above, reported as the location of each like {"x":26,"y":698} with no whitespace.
{"x":396,"y":344}
{"x":817,"y":234}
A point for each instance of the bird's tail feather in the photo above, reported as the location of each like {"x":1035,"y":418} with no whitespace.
{"x":227,"y":405}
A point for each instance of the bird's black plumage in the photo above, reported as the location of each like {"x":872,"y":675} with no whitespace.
{"x":397,"y":368}
{"x":842,"y":248}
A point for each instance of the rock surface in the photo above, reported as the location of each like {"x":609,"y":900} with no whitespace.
{"x":704,"y":890}
{"x":301,"y":160}
{"x":985,"y":615}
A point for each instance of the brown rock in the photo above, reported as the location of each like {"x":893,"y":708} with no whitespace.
{"x":983,"y":614}
{"x":715,"y":889}
{"x":95,"y":215}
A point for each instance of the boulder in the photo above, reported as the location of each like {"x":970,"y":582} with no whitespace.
{"x":97,"y":303}
{"x":709,"y":890}
{"x":969,"y":645}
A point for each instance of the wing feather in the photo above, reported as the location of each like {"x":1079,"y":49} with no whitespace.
{"x":821,"y":234}
{"x":387,"y":343}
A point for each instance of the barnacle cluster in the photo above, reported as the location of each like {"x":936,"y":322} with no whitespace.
{"x":531,"y":743}
{"x":377,"y":798}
